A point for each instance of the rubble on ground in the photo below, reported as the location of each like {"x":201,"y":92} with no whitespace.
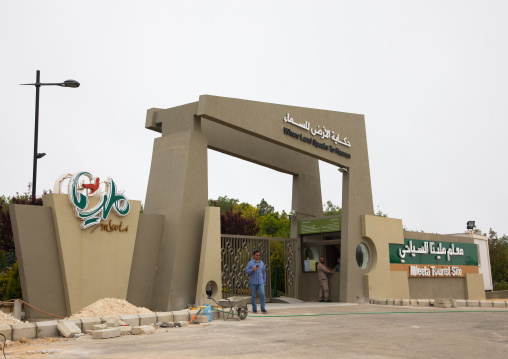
{"x":104,"y":314}
{"x":109,"y":307}
{"x":8,"y":319}
{"x":25,"y":341}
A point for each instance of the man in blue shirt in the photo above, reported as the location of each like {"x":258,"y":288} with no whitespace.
{"x":257,"y":279}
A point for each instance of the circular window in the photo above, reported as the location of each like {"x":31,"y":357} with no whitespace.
{"x":362,"y":255}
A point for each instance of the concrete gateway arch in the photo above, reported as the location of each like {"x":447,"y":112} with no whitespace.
{"x":284,"y":138}
{"x":172,"y":250}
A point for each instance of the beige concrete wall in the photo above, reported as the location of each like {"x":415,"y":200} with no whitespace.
{"x":265,"y":121}
{"x":474,"y":286}
{"x":209,"y":262}
{"x":470,"y":287}
{"x":95,"y":264}
{"x":309,"y":287}
{"x":38,"y":261}
{"x":99,"y":275}
{"x":379,"y":281}
{"x":177,"y":189}
{"x":431,"y":288}
{"x":144,"y":261}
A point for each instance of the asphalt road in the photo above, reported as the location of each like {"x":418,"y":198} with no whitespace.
{"x":321,"y":330}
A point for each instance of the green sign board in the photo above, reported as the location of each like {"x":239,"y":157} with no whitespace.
{"x":415,"y":251}
{"x":319,"y":226}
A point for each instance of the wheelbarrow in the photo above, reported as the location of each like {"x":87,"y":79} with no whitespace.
{"x":237,"y":307}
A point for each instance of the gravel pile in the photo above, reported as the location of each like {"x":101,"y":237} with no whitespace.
{"x":109,"y":307}
{"x":8,"y":319}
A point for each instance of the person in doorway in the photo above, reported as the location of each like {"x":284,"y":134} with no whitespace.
{"x":324,"y":292}
{"x":257,"y":279}
{"x":337,"y":266}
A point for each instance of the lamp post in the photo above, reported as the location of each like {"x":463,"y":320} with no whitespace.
{"x":38,"y":84}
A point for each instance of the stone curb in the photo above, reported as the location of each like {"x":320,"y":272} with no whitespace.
{"x":49,"y":328}
{"x":439,"y":302}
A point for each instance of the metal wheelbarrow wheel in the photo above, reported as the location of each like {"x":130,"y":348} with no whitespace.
{"x":242,"y":313}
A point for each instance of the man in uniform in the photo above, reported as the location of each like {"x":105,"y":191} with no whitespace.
{"x":322,"y":270}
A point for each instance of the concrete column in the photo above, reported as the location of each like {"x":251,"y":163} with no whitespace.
{"x":306,"y":196}
{"x":17,"y":310}
{"x":177,"y":189}
{"x":210,"y":262}
{"x":38,"y":260}
{"x":356,"y":201}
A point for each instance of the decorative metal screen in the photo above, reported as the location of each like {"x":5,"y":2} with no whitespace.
{"x":290,"y":250}
{"x":236,"y":252}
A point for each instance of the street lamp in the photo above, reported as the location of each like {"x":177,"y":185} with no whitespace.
{"x":38,"y":84}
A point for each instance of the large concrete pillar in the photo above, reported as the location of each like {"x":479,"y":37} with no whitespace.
{"x":356,"y":202}
{"x":306,"y":196}
{"x":177,"y":189}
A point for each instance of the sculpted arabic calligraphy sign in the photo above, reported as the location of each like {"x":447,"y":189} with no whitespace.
{"x":323,"y":133}
{"x":109,"y":200}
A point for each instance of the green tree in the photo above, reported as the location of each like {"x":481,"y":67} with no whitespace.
{"x":269,"y":225}
{"x":277,"y":267}
{"x":329,"y":209}
{"x":275,"y":225}
{"x":380,"y":213}
{"x":224,"y":203}
{"x":285,"y":228}
{"x":3,"y":261}
{"x":248,"y":210}
{"x":14,"y":284}
{"x":4,"y":280}
{"x":6,"y":239}
{"x":10,"y":285}
{"x":264,"y":208}
{"x":245,"y":219}
{"x":498,"y":250}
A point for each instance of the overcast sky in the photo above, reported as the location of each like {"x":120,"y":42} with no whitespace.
{"x":431,"y":78}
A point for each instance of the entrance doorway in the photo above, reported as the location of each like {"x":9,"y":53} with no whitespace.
{"x":236,"y":252}
{"x":314,"y":246}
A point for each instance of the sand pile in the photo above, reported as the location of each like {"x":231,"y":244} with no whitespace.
{"x":109,"y":307}
{"x":8,"y":319}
